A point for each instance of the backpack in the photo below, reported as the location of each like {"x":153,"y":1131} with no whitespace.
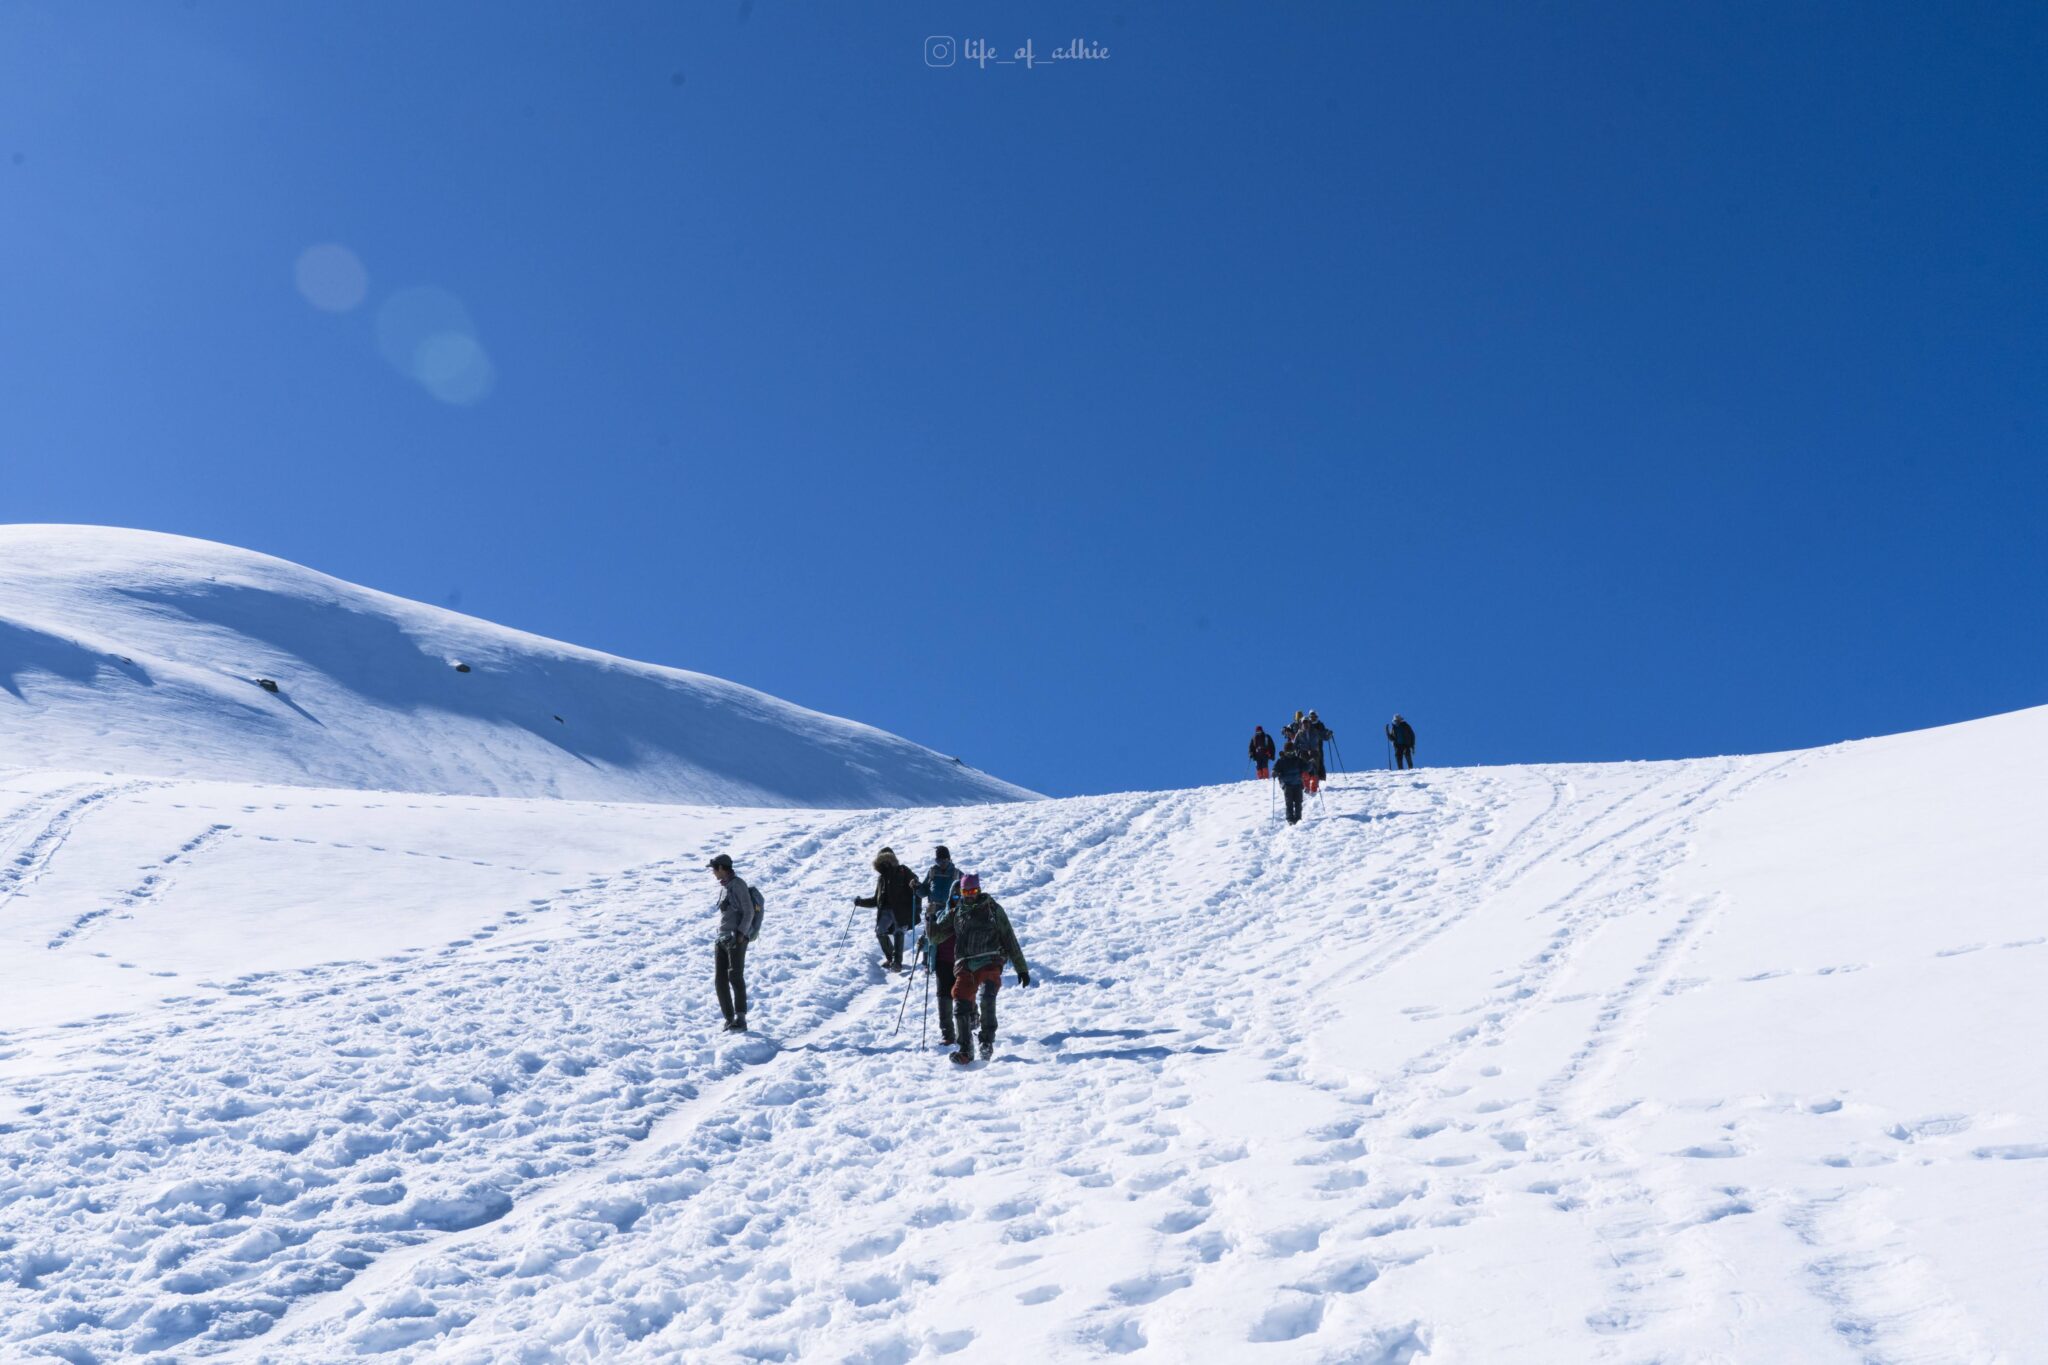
{"x":760,"y":905}
{"x":974,"y":929}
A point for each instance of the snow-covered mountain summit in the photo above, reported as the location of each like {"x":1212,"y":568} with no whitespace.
{"x":143,"y":653}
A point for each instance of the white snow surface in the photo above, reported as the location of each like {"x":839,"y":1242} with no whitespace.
{"x":136,"y":652}
{"x":1734,"y":1060}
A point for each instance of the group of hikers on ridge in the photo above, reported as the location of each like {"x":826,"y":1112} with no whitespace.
{"x":967,"y":935}
{"x":1298,"y":763}
{"x":966,"y":940}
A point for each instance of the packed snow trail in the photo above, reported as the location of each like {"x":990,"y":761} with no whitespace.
{"x":1677,"y":1061}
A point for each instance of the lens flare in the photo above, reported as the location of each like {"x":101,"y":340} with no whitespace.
{"x":331,"y":278}
{"x":428,"y":336}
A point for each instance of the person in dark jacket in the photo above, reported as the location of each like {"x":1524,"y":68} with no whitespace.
{"x":1290,"y":770}
{"x":941,"y":888}
{"x":982,"y":941}
{"x":1311,"y":737}
{"x":894,"y":904}
{"x":739,"y":919}
{"x":1402,"y":736}
{"x":1262,"y":751}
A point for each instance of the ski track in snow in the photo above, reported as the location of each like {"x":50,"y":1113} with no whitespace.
{"x":1209,"y":1131}
{"x":32,"y":835}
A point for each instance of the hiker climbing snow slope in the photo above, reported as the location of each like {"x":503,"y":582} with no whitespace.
{"x":1291,"y":771}
{"x":894,"y":902}
{"x":982,"y":942}
{"x":1401,"y":741}
{"x":1261,"y":752}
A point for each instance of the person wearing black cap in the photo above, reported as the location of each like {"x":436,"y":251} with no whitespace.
{"x":941,"y":888}
{"x":739,"y":919}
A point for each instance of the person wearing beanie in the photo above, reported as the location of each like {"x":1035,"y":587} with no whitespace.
{"x":982,"y":941}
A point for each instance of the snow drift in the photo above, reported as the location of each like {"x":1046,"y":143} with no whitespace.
{"x":1726,"y":1060}
{"x":135,"y":652}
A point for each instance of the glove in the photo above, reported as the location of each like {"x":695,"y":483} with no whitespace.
{"x":1023,"y":978}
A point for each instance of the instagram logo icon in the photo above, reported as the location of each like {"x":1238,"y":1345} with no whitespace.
{"x":939,"y":50}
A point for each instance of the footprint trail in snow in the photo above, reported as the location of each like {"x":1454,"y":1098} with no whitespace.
{"x":1541,"y":1063}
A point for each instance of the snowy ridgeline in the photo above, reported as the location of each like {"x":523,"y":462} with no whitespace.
{"x":133,"y":652}
{"x":1728,"y":1060}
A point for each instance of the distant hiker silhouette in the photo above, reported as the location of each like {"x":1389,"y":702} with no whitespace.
{"x":1290,"y":770}
{"x":1310,"y":736}
{"x":1262,"y":751}
{"x":1401,"y":735}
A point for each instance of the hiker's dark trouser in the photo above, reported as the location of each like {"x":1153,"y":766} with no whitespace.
{"x":966,"y":983}
{"x":1404,"y":755}
{"x":1293,"y":795}
{"x":732,"y":977}
{"x":942,"y":982}
{"x":889,"y":934}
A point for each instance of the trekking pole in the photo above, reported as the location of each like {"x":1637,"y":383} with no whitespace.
{"x":1390,"y":753}
{"x":910,"y":979}
{"x":1338,"y":750}
{"x":924,"y":1029}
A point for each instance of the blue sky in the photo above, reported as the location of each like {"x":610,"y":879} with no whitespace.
{"x":1584,"y":381}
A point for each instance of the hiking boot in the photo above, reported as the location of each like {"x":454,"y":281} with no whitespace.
{"x":988,"y":1046}
{"x":736,"y":1024}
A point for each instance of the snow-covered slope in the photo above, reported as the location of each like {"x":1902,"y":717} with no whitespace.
{"x":135,"y":652}
{"x":1729,"y":1060}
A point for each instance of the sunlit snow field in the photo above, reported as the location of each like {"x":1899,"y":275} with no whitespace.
{"x":1722,"y":1060}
